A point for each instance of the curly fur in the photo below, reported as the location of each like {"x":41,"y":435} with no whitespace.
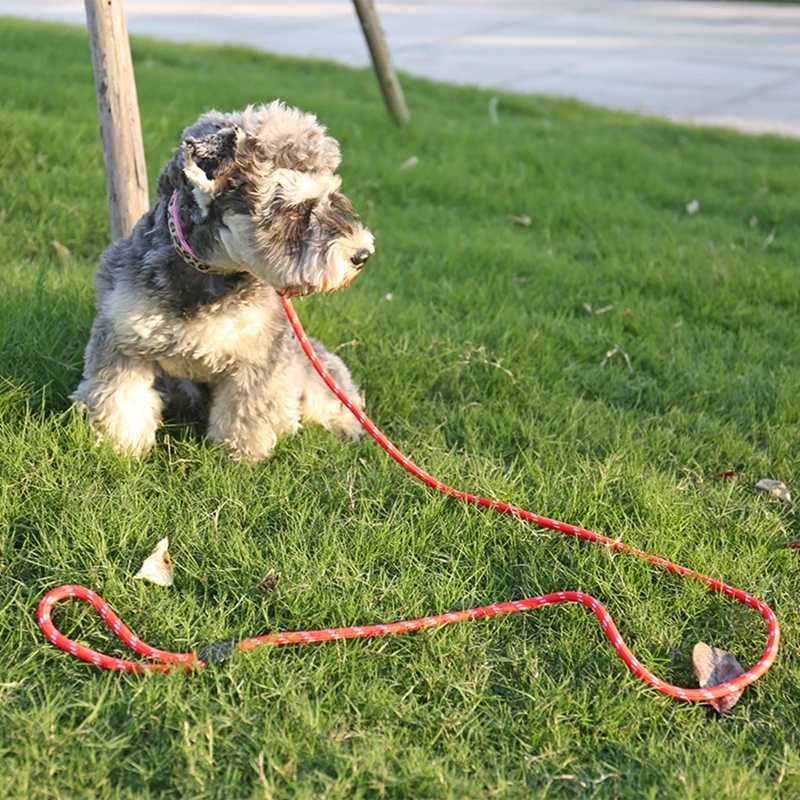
{"x":260,"y":205}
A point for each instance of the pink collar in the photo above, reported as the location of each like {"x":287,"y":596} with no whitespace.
{"x":179,"y":240}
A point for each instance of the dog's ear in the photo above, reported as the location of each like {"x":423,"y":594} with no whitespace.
{"x":209,"y":160}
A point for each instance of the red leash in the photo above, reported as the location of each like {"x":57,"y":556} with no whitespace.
{"x":219,"y":651}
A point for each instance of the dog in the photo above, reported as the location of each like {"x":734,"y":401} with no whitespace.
{"x":188,"y":305}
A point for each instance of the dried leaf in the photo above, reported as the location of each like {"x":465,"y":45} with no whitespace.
{"x":693,"y":207}
{"x":713,"y":666}
{"x":268,"y":582}
{"x":729,"y":475}
{"x":409,"y":163}
{"x":793,"y":544}
{"x":157,"y":567}
{"x":587,"y":307}
{"x":770,"y":239}
{"x":521,"y":219}
{"x":614,"y":351}
{"x":62,"y":252}
{"x":778,"y":488}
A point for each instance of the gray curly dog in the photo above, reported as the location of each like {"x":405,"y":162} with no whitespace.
{"x":188,"y":305}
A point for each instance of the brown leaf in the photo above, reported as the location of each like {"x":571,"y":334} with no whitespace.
{"x":268,"y":582}
{"x":778,"y":488}
{"x":793,"y":544}
{"x":729,"y":475}
{"x":714,"y":666}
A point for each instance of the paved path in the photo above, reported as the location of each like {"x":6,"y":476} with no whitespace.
{"x":717,"y":63}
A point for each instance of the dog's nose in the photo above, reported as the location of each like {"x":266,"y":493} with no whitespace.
{"x":360,"y":258}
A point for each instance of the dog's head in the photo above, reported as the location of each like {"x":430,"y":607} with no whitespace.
{"x":262,"y":196}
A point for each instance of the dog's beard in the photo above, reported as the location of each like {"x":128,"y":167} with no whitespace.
{"x":300,"y":268}
{"x":319,"y":274}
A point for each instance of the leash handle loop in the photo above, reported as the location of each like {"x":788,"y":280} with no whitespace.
{"x":168,"y":660}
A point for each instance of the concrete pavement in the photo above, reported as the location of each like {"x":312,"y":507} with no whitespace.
{"x":729,"y":64}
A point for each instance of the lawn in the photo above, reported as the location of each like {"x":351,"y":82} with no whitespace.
{"x":469,"y":334}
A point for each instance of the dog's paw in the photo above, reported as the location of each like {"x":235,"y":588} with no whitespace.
{"x":355,"y":435}
{"x":358,"y":435}
{"x":248,"y":444}
{"x":347,"y":425}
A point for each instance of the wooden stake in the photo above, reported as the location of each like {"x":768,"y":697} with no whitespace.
{"x":387,"y":77}
{"x":118,"y":107}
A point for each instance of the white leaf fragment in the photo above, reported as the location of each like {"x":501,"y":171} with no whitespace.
{"x":778,"y":488}
{"x":521,"y":219}
{"x":614,"y":351}
{"x":714,"y":666}
{"x":593,"y":312}
{"x":157,"y":567}
{"x":62,"y":252}
{"x":494,"y":118}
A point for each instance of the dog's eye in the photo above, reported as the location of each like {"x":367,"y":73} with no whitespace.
{"x":301,"y":212}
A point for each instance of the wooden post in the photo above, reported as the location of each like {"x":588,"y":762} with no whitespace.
{"x":126,"y":177}
{"x":387,"y":77}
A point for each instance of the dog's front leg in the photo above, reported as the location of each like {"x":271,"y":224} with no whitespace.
{"x":252,"y":407}
{"x":118,"y":393}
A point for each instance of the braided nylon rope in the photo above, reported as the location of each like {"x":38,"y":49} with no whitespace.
{"x":190,"y":661}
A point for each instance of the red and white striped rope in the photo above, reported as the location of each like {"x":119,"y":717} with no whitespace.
{"x":191,"y":661}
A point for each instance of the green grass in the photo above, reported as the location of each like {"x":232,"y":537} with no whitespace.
{"x":485,"y":368}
